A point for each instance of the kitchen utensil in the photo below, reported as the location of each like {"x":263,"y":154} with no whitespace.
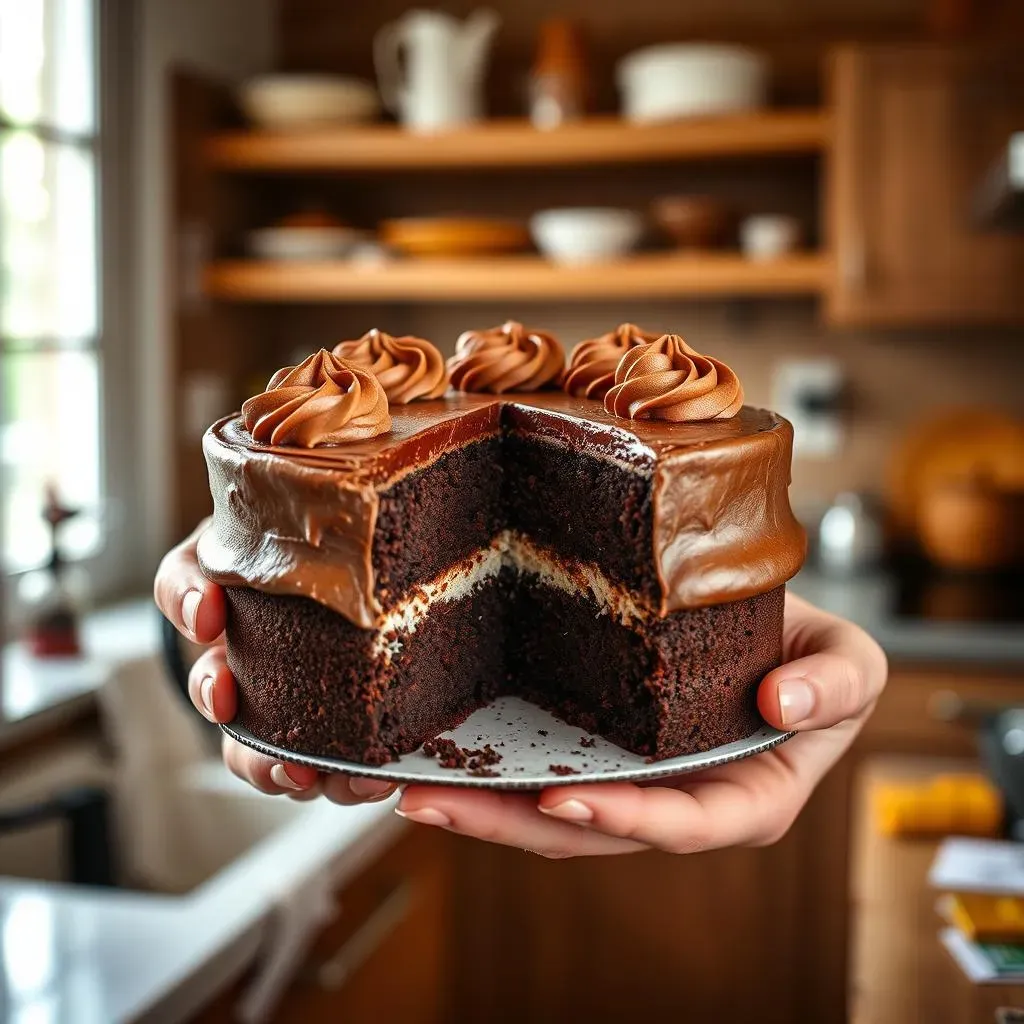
{"x":971,"y":524}
{"x":768,"y":236}
{"x":289,"y":102}
{"x":442,"y":83}
{"x":558,"y":81}
{"x":958,"y":443}
{"x":685,"y":79}
{"x":537,"y":750}
{"x":693,"y":222}
{"x":453,"y":236}
{"x":851,"y":536}
{"x":586,"y":235}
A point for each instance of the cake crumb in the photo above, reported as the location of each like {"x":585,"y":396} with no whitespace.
{"x":586,"y":741}
{"x":562,"y":769}
{"x":450,"y":755}
{"x":575,"y":753}
{"x":542,"y":732}
{"x":484,"y":773}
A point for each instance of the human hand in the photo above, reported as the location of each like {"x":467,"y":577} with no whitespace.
{"x":831,"y":679}
{"x":197,"y":609}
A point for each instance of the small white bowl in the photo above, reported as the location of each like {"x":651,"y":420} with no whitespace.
{"x":289,"y":102}
{"x":766,"y":236}
{"x":586,"y":234}
{"x":310,"y":243}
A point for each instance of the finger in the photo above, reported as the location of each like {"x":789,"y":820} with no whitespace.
{"x":211,"y":686}
{"x":840,"y":677}
{"x":186,"y":597}
{"x":314,"y":792}
{"x":266,"y":774}
{"x":510,"y":819}
{"x":348,"y":790}
{"x":752,"y":803}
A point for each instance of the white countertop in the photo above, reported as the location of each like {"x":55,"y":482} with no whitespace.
{"x":74,"y":955}
{"x":71,"y":955}
{"x":36,"y":692}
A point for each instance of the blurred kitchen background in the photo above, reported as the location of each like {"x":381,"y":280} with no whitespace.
{"x":826,"y":196}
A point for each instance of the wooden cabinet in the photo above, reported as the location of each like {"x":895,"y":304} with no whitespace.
{"x":914,"y":130}
{"x":740,"y":934}
{"x":385,"y":956}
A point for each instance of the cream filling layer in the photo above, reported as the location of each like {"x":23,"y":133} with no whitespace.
{"x":507,"y":549}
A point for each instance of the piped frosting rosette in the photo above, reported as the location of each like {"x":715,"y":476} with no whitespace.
{"x":668,"y":380}
{"x":407,"y":367}
{"x":506,"y":358}
{"x":322,"y":401}
{"x":591,"y":371}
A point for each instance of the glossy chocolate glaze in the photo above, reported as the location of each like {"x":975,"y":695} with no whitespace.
{"x":296,"y":521}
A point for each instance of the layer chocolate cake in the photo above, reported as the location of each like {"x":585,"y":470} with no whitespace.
{"x":403,"y":540}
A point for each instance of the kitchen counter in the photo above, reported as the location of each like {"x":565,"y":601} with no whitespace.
{"x":869,"y":600}
{"x":39,"y":693}
{"x":97,"y":957}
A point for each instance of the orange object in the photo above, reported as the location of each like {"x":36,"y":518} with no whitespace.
{"x":988,"y":918}
{"x":971,"y":523}
{"x":453,"y":236}
{"x":945,"y":805}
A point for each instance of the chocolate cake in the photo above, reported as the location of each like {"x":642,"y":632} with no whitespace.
{"x":615,"y":551}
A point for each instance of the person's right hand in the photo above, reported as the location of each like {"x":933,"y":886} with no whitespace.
{"x":196,"y":607}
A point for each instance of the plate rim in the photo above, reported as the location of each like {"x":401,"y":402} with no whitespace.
{"x":388,"y":773}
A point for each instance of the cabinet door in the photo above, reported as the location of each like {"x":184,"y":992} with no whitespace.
{"x":915,"y":130}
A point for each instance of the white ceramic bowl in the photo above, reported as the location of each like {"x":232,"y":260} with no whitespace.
{"x":660,"y":83}
{"x":305,"y":243}
{"x":586,"y":234}
{"x":287,"y":102}
{"x":769,"y":236}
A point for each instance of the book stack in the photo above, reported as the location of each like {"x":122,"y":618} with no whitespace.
{"x":981,"y":886}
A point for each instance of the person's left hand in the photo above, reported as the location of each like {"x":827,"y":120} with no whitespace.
{"x":834,"y":674}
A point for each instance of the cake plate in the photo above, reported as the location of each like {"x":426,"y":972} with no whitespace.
{"x":537,"y":750}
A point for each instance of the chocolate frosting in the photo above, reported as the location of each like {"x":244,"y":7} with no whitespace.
{"x":322,"y":401}
{"x":591,"y":371}
{"x":294,"y":521}
{"x":407,"y":367}
{"x":506,"y":358}
{"x":668,"y":380}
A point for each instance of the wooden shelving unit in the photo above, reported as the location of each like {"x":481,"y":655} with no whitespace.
{"x":523,"y":278}
{"x":504,"y":144}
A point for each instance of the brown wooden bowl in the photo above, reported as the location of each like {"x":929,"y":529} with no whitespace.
{"x":694,"y":222}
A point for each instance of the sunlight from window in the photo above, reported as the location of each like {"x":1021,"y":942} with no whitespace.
{"x":49,"y":273}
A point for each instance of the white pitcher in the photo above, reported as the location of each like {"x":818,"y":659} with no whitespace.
{"x":442,"y":83}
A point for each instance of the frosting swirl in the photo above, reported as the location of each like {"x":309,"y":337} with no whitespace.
{"x":591,"y":371}
{"x":324,"y":400}
{"x":506,"y":358}
{"x":407,"y":368}
{"x":668,"y":380}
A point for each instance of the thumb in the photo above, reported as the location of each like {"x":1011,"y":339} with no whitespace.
{"x":825,"y":688}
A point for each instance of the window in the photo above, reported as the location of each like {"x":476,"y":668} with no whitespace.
{"x":51,"y":323}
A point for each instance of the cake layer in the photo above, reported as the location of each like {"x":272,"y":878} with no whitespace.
{"x":313,"y":682}
{"x":686,"y":515}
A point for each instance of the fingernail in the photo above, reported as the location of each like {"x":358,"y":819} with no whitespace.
{"x":206,"y":697}
{"x":426,"y":816}
{"x":190,"y":609}
{"x":280,"y":777}
{"x":570,"y":810}
{"x":370,"y":789}
{"x":796,"y":701}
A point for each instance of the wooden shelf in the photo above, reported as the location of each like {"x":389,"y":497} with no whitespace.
{"x":515,"y":143}
{"x":523,"y":278}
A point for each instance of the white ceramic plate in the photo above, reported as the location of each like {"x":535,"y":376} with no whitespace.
{"x":530,"y":741}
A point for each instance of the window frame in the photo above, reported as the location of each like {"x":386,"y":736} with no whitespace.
{"x":117,"y":567}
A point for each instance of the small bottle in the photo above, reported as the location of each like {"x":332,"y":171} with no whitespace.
{"x":558,"y":81}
